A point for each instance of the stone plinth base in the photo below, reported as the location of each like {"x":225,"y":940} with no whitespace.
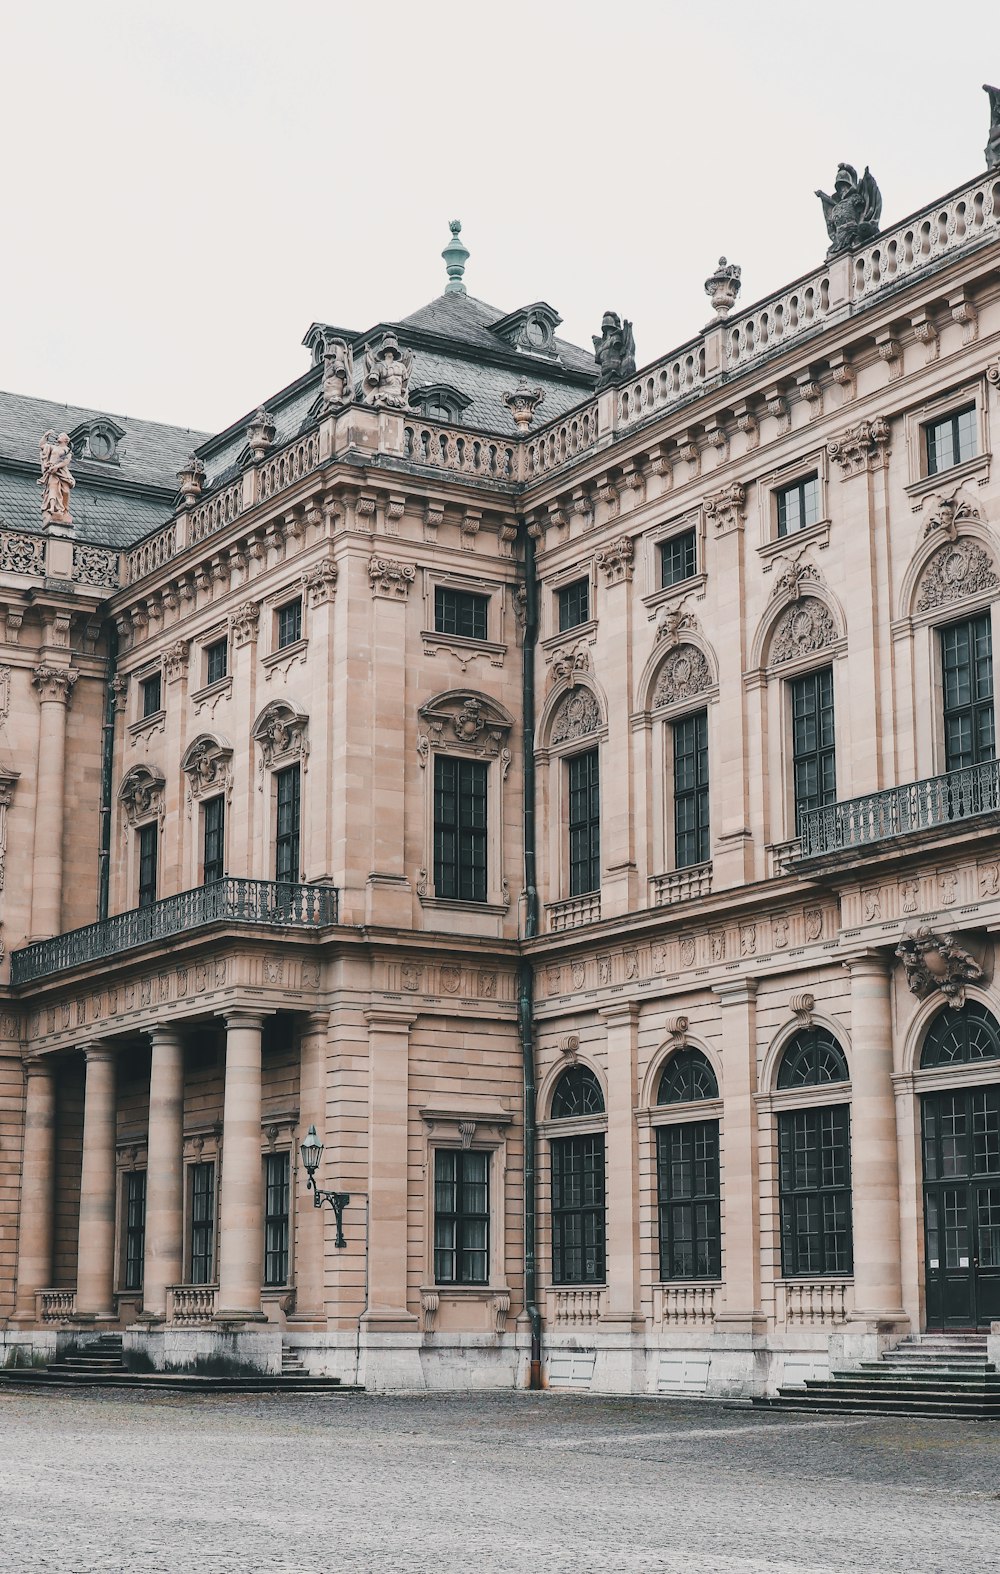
{"x":230,"y":1350}
{"x":865,"y":1339}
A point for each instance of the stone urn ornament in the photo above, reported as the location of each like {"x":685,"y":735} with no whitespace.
{"x":722,"y":288}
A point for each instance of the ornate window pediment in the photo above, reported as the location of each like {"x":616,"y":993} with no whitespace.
{"x":531,"y":329}
{"x":208,"y":765}
{"x":440,"y":402}
{"x":97,"y":440}
{"x":464,"y":720}
{"x":577,"y":715}
{"x":958,"y":569}
{"x":684,"y":674}
{"x":282,"y":733}
{"x":804,"y":627}
{"x":142,"y":793}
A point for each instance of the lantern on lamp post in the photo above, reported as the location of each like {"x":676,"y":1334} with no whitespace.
{"x":311,"y":1150}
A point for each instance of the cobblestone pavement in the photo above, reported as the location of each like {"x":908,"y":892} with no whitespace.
{"x":541,"y":1483}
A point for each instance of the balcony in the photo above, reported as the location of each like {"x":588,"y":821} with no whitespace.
{"x":579,"y":910}
{"x":252,"y":902}
{"x":680,"y":885}
{"x":936,"y":804}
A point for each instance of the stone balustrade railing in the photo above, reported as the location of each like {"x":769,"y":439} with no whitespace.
{"x":463,"y":453}
{"x":191,"y":1305}
{"x":557,"y":444}
{"x":287,"y":466}
{"x":681,"y":884}
{"x":815,"y":1303}
{"x":150,"y":554}
{"x":783,"y":855}
{"x":217,"y":511}
{"x":684,"y":1305}
{"x":966,"y":216}
{"x":574,"y":913}
{"x":55,"y":1306}
{"x":574,"y":1308}
{"x":951,"y":798}
{"x":664,"y":383}
{"x":777,"y":320}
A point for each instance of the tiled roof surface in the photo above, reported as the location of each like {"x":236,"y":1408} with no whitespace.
{"x":464,"y":318}
{"x":149,"y":452}
{"x":106,"y":518}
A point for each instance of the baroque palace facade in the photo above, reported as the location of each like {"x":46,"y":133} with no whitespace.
{"x":571,"y":789}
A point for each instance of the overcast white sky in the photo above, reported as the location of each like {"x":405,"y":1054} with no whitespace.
{"x":187,"y":186}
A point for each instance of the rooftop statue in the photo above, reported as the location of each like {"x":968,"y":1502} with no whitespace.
{"x":993,"y":140}
{"x":853,"y":212}
{"x":614,"y":351}
{"x":338,"y":372}
{"x":56,"y":481}
{"x":387,"y":374}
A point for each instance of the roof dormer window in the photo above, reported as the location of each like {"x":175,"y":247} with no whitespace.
{"x":531,"y":329}
{"x":440,"y":402}
{"x":97,"y":440}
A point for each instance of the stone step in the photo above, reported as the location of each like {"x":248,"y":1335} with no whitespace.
{"x":30,"y":1377}
{"x":943,"y":1409}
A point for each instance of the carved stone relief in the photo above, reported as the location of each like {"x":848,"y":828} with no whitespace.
{"x":806,"y":626}
{"x":282,"y":734}
{"x":142,"y":793}
{"x":577,"y":716}
{"x":935,"y":962}
{"x":684,"y":674}
{"x":958,"y":569}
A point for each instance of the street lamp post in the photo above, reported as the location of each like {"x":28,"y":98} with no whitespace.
{"x":311,"y":1150}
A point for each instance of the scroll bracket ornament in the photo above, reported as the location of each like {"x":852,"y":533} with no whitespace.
{"x":937,"y":963}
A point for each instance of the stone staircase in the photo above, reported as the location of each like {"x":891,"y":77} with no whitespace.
{"x":944,"y":1375}
{"x":101,"y":1364}
{"x":101,"y":1358}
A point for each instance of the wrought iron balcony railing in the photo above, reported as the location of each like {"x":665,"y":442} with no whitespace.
{"x":935,"y":802}
{"x":230,"y":901}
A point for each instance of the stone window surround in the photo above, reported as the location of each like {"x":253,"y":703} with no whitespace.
{"x":443,"y":1129}
{"x":140,"y":725}
{"x":920,"y":484}
{"x":549,"y":631}
{"x":271,"y":604}
{"x":649,"y":1120}
{"x":652,"y":540}
{"x":771,"y":1103}
{"x":493,"y":646}
{"x":553,"y":796}
{"x":662,"y":721}
{"x":771,"y":545}
{"x":498,"y":764}
{"x":921,"y":632}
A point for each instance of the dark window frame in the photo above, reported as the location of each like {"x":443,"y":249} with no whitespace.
{"x":573,"y":604}
{"x":134,"y":1228}
{"x":795,"y":502}
{"x":583,"y":821}
{"x":462,"y":613}
{"x":678,"y":558}
{"x":288,"y":623}
{"x":151,"y":694}
{"x":815,"y":1203}
{"x":201,"y":1249}
{"x":692,"y":833}
{"x":943,"y":439}
{"x":577,"y":1093}
{"x":461,"y":828}
{"x":287,"y":824}
{"x":968,"y":717}
{"x":814,"y":741}
{"x":689,"y":1200}
{"x":687,"y":1076}
{"x":216,"y":655}
{"x":961,"y":1037}
{"x":578,"y":1164}
{"x":148,"y":854}
{"x":462,"y":1229}
{"x":213,"y":839}
{"x":277,"y":1217}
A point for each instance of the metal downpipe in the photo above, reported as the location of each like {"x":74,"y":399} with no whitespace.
{"x":526,"y":972}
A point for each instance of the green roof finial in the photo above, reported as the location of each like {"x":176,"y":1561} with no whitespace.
{"x":455,"y":257}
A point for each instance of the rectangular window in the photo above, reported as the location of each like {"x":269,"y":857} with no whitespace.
{"x":678,"y":558}
{"x":967,"y":684}
{"x":216,"y":661}
{"x":798,"y":505}
{"x":135,"y":1227}
{"x":690,"y":736}
{"x":460,"y":612}
{"x":814,"y":1183}
{"x":202,"y":1223}
{"x":214,"y":820}
{"x":574,"y":604}
{"x":578,"y":1225}
{"x":286,"y":840}
{"x":461,"y":1216}
{"x":460,"y":828}
{"x":952,"y":440}
{"x":584,"y":788}
{"x":151,"y":692}
{"x":687,"y":1159}
{"x":149,"y":845}
{"x":814,"y":767}
{"x":289,"y":622}
{"x":277,"y":1169}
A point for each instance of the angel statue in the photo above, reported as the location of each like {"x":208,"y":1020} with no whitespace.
{"x":338,"y":372}
{"x":993,"y":140}
{"x":614,"y":351}
{"x":56,"y":481}
{"x":853,"y":212}
{"x":387,"y":374}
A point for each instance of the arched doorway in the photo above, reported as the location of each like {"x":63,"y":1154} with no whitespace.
{"x":960,"y":1129}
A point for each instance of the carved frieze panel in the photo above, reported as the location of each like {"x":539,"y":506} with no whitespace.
{"x":804,"y":627}
{"x":282,"y":735}
{"x":685,"y":673}
{"x":208,"y":764}
{"x":577,"y":715}
{"x":141,"y":793}
{"x":956,"y":570}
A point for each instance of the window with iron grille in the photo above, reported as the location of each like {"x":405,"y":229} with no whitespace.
{"x":202,"y":1223}
{"x":286,"y":841}
{"x":574,"y":604}
{"x":578,"y":1226}
{"x":967,"y":683}
{"x":678,"y":558}
{"x":798,"y":505}
{"x":577,"y":1092}
{"x":961,"y":1037}
{"x":814,"y":760}
{"x":151,"y":691}
{"x":690,"y":738}
{"x":687,"y":1158}
{"x":460,"y":864}
{"x":952,"y":440}
{"x":460,"y":612}
{"x":135,"y":1227}
{"x":277,"y":1169}
{"x":811,"y":1059}
{"x":687,"y":1076}
{"x":289,"y":623}
{"x":584,"y":792}
{"x":214,"y":826}
{"x":216,"y":661}
{"x":461,"y":1216}
{"x":814,"y":1183}
{"x":149,"y":847}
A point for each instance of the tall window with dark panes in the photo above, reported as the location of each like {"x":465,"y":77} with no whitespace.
{"x":574,"y":604}
{"x":690,"y":740}
{"x":814,"y":1182}
{"x":678,"y":558}
{"x":216,"y":661}
{"x":149,"y":846}
{"x":814,"y":760}
{"x":578,"y":1224}
{"x":277,"y":1169}
{"x":151,"y":692}
{"x":460,"y":612}
{"x":135,"y":1227}
{"x":202,"y":1223}
{"x":287,"y":810}
{"x":967,"y":685}
{"x":687,"y":1158}
{"x":951,"y":441}
{"x":289,"y":623}
{"x":584,"y":791}
{"x":214,"y":826}
{"x":798,"y":505}
{"x":460,"y":841}
{"x":461,"y":1216}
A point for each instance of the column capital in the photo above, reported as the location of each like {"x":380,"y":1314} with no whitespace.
{"x":390,"y":1017}
{"x":39,"y":1066}
{"x":874,"y":963}
{"x":97,"y":1049}
{"x":240,"y":1016}
{"x":165,"y":1033}
{"x":735,"y":991}
{"x":620,"y":1011}
{"x":316,"y":1022}
{"x":54,"y":683}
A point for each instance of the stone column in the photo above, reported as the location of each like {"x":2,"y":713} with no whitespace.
{"x":619,"y":879}
{"x":388,"y":1057}
{"x":163,"y":1263}
{"x":241,"y":1225}
{"x":388,"y":895}
{"x":55,"y":686}
{"x":732,"y":847}
{"x":741,"y":1307}
{"x":37,"y":1216}
{"x":310,"y":1221}
{"x":620,"y":1365}
{"x":878,"y":1294}
{"x":95,"y":1270}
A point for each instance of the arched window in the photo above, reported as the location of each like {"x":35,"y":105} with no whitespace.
{"x":812,"y":1058}
{"x":577,"y":1092}
{"x":687,"y":1076}
{"x":578,"y":1225}
{"x":814,"y":1162}
{"x":960,"y":1038}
